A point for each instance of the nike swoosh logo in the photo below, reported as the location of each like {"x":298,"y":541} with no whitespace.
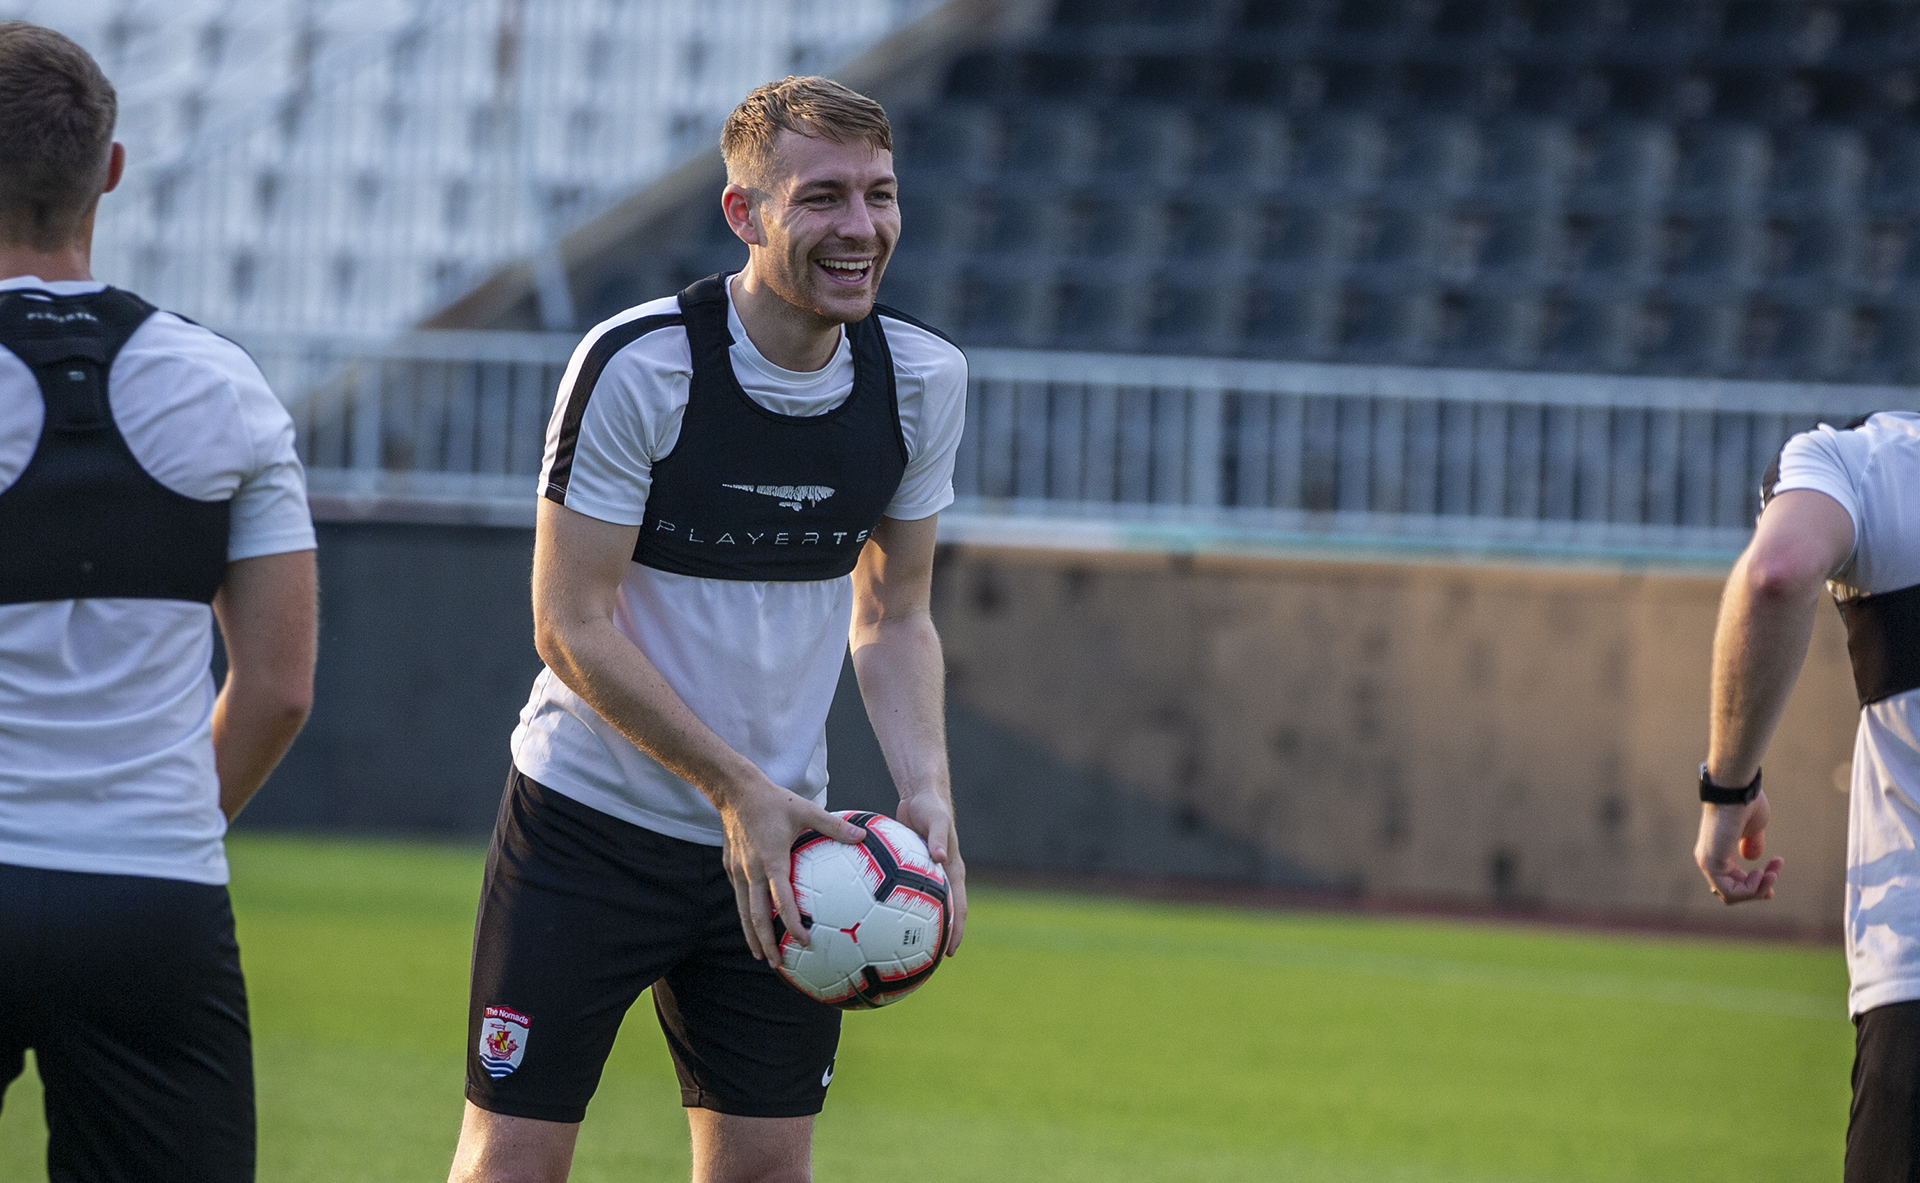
{"x":789,"y":496}
{"x":826,"y":1078}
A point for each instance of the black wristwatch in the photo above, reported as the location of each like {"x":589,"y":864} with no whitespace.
{"x":1714,"y":794}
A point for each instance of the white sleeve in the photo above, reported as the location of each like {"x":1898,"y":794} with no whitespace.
{"x":269,"y":509}
{"x":198,"y":415}
{"x":932,"y":419}
{"x":612,"y":419}
{"x":1816,"y":460}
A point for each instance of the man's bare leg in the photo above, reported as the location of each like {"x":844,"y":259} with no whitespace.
{"x":729,"y":1149}
{"x":495,"y":1148}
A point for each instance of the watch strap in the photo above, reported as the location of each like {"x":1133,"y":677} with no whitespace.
{"x":1714,"y":794}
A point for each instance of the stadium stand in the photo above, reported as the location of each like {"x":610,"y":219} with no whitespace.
{"x":308,"y":176}
{"x":1671,"y":187}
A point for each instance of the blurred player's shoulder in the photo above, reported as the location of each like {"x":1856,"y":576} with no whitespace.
{"x":1887,"y":427}
{"x":1860,"y":443}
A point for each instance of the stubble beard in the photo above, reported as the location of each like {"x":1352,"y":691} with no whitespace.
{"x":797,"y":281}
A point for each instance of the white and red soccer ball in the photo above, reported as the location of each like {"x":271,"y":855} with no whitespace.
{"x":878,"y":914}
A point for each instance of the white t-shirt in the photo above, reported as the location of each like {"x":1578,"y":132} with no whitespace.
{"x":1874,"y":471}
{"x":106,"y":705}
{"x":755,"y":661}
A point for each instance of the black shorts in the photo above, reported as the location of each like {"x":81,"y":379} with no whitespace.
{"x":1883,"y":1126}
{"x":128,"y":990}
{"x":581,"y":912}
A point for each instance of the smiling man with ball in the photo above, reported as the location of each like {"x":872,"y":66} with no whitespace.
{"x":739,"y":481}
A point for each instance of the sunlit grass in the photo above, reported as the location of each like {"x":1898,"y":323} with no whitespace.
{"x":1089,"y":1039}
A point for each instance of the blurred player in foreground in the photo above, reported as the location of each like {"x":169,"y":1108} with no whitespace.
{"x":1840,"y":508}
{"x":738,"y":481}
{"x":146,"y":472}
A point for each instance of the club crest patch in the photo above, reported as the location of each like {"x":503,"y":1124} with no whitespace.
{"x":503,"y":1040}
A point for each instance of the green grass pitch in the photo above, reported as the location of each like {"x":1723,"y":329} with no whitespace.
{"x":1089,"y":1039}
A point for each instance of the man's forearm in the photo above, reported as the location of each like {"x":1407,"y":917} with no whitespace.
{"x":268,"y":615}
{"x":902,"y":677}
{"x":598,"y":662}
{"x":1759,"y":645}
{"x":251,"y":731}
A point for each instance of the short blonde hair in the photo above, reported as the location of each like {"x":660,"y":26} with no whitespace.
{"x":805,"y":105}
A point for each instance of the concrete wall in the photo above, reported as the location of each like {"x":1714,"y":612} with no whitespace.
{"x":426,"y":654}
{"x":1473,"y":733}
{"x":1522,"y":736}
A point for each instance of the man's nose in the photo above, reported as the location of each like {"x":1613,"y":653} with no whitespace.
{"x":858,"y":221}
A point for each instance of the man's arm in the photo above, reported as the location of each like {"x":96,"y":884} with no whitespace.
{"x":1766,"y":620}
{"x":896,"y":655}
{"x":578,"y":563}
{"x":268,"y":613}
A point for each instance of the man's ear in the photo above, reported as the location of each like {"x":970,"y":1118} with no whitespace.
{"x":738,"y":203}
{"x":116,"y":166}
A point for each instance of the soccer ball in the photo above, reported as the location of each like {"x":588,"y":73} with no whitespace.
{"x":877,"y":911}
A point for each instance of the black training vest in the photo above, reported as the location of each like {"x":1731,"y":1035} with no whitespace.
{"x":748,"y":493}
{"x":84,"y":520}
{"x":1883,"y":641}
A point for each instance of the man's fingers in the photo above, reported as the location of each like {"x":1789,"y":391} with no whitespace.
{"x":957,"y":900}
{"x":1756,"y":884}
{"x":1738,"y":886}
{"x":834,"y":826}
{"x":789,"y":913}
{"x":768,"y":944}
{"x":948,"y":856}
{"x":938,"y":835}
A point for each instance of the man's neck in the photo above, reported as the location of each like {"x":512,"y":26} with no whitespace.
{"x":789,"y":337}
{"x":69,"y":262}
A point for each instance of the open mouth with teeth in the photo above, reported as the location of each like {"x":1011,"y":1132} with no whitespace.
{"x":846,"y":272}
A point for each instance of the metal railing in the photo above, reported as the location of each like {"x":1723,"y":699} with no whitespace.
{"x":1133,"y":451}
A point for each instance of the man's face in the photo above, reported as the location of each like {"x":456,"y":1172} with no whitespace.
{"x":828,"y":224}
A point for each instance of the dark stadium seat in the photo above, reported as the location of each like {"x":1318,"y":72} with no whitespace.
{"x":1468,"y":20}
{"x":1269,"y":16}
{"x":1090,"y":312}
{"x":991,"y":307}
{"x":1892,"y":183}
{"x":960,"y":138}
{"x":1288,"y":320}
{"x":1130,"y":13}
{"x":1298,"y":234}
{"x":1145,"y":141}
{"x":1039,"y":138}
{"x":1240,"y":143}
{"x":1511,"y":244}
{"x":1182,"y":315}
